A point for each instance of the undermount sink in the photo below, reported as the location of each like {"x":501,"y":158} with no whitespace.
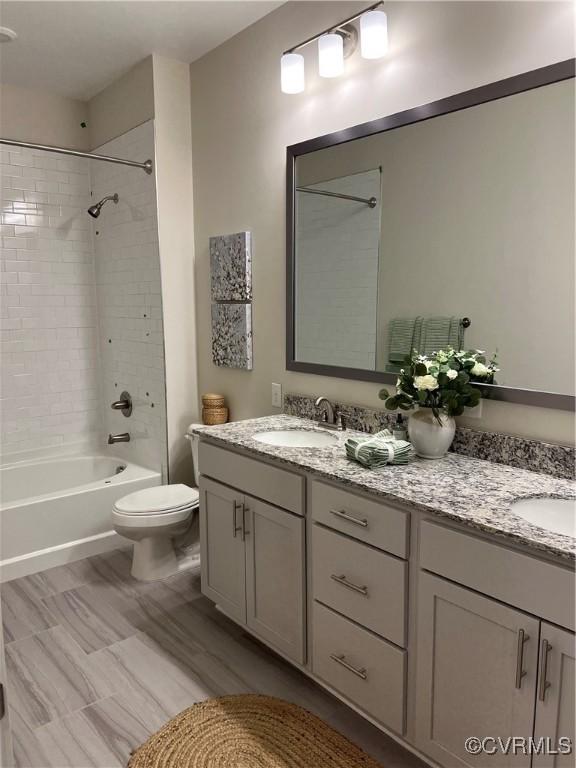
{"x":556,"y":515}
{"x":297,"y":438}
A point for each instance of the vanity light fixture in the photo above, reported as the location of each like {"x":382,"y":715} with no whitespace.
{"x":334,"y":45}
{"x":373,"y":35}
{"x":330,"y":55}
{"x":292,"y":72}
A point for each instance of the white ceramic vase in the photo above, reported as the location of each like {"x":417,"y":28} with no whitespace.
{"x":430,"y":439}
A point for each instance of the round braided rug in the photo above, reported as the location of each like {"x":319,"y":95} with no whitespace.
{"x":248,"y":731}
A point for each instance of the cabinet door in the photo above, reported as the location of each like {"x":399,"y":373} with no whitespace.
{"x":476,"y":674}
{"x":222,"y":563}
{"x":275,"y":577}
{"x":555,"y":711}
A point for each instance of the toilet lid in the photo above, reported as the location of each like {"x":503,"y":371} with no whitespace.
{"x":160,"y":498}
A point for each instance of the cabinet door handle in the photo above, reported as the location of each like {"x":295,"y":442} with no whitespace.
{"x":343,"y":581}
{"x":350,"y":518}
{"x":341,"y":659}
{"x":244,"y":531}
{"x":545,"y":649}
{"x":235,"y":526}
{"x":520,"y":671}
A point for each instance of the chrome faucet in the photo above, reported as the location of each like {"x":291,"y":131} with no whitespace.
{"x":331,"y":419}
{"x":123,"y":437}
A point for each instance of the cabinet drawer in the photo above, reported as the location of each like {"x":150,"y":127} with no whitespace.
{"x":364,"y":584}
{"x":536,"y":586}
{"x":375,"y":522}
{"x":282,"y":488}
{"x":368,"y":671}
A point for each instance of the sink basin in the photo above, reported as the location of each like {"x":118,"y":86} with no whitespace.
{"x":297,"y":438}
{"x":556,"y":515}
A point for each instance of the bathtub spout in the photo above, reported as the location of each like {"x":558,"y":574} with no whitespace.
{"x":124,"y":437}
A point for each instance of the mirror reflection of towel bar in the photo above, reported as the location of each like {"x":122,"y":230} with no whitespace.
{"x":372,"y":202}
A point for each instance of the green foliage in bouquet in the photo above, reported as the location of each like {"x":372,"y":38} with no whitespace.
{"x":443,"y":381}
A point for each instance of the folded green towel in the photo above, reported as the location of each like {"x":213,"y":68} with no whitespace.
{"x":379,"y":449}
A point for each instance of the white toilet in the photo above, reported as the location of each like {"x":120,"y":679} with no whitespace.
{"x":154,"y":519}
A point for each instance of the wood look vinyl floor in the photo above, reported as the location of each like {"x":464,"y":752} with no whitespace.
{"x":98,"y":661}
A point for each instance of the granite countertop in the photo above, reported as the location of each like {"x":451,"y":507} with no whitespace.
{"x":474,"y":492}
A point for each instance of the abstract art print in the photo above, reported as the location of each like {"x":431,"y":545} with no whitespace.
{"x":232,"y":335}
{"x":231,"y":267}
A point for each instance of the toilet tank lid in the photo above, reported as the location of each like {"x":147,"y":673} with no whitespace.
{"x":160,"y":498}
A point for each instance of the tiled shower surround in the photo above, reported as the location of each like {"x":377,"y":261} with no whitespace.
{"x":49,"y":331}
{"x":81,"y":304}
{"x":129,"y":293}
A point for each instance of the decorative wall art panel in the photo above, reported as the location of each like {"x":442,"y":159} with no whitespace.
{"x":232,"y":335}
{"x":231,"y":267}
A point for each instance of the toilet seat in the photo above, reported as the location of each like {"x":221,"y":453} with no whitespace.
{"x":158,"y":500}
{"x":150,"y":520}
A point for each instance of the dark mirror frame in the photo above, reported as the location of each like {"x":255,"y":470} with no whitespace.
{"x":537,"y":78}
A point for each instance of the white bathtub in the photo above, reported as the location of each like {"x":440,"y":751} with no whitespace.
{"x":59,"y":510}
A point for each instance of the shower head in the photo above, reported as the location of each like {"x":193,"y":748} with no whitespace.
{"x":94,"y":210}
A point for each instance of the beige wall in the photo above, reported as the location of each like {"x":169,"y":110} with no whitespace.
{"x":241,"y":124}
{"x":173,"y":148}
{"x":43,"y":118}
{"x":48,"y":118}
{"x":122,"y":105}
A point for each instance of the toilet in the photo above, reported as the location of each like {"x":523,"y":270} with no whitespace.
{"x":158,"y":520}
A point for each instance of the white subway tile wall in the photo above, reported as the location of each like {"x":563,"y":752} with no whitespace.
{"x":130,"y":299}
{"x":337,"y":245}
{"x":48,"y":324}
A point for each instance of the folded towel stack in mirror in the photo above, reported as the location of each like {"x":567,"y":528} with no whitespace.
{"x":379,"y":449}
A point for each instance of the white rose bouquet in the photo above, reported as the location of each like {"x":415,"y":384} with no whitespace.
{"x":443,"y":381}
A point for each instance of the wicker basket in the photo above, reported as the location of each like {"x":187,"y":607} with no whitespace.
{"x":214,"y":410}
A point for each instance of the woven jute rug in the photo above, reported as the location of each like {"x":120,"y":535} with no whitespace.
{"x":248,"y":731}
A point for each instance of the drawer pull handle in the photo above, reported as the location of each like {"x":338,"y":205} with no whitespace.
{"x":520,"y":671}
{"x":342,"y":661}
{"x":545,"y":649}
{"x":350,"y":518}
{"x":343,"y":581}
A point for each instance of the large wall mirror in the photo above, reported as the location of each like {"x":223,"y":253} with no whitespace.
{"x":448,"y":224}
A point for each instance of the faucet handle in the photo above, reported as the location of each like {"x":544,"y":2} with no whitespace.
{"x":124,"y":404}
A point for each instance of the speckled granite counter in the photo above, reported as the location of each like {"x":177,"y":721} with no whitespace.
{"x":474,"y":492}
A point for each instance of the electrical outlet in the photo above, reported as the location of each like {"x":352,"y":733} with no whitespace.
{"x":277,"y":395}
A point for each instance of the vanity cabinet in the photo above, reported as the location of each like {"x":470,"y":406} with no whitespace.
{"x":252,"y":564}
{"x":477,"y":669}
{"x":481,"y":666}
{"x":432,"y":631}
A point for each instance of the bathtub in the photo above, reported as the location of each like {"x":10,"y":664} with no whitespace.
{"x":59,"y":510}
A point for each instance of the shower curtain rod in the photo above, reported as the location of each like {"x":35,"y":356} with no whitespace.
{"x":372,"y":202}
{"x":146,"y":166}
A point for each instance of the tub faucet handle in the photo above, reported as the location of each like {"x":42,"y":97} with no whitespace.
{"x":124,"y":404}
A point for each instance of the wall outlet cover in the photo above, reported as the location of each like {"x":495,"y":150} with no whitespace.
{"x":277,"y":395}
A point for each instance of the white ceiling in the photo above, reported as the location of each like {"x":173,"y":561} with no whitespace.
{"x":77,"y":48}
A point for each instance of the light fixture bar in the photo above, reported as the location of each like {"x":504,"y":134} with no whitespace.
{"x":334,"y":27}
